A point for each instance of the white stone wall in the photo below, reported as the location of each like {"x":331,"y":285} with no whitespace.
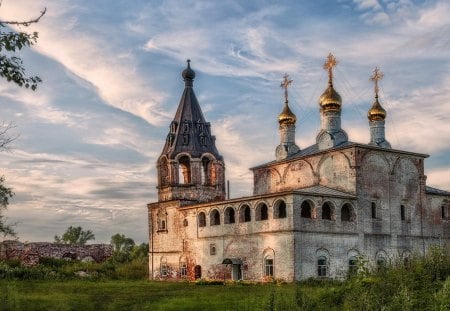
{"x":388,"y":179}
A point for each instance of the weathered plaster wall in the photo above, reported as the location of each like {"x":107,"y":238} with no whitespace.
{"x":388,"y":179}
{"x":333,"y":169}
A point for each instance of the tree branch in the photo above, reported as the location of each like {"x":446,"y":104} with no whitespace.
{"x":25,"y":23}
{"x":4,"y":139}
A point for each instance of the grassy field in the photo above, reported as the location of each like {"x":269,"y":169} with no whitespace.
{"x":146,"y":295}
{"x":136,"y":295}
{"x":423,"y":283}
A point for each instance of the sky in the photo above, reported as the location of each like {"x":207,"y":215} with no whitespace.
{"x":88,"y":138}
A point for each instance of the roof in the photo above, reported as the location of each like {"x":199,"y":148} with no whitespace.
{"x":431,"y":190}
{"x":189,"y":132}
{"x":324,"y":191}
{"x":314,"y":149}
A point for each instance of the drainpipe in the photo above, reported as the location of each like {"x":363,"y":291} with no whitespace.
{"x":422,"y":188}
{"x":151,"y":238}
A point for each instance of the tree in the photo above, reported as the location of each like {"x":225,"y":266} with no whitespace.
{"x":11,"y":42}
{"x":5,"y":194}
{"x":75,"y":236}
{"x":122,"y":247}
{"x":12,"y":69}
{"x":139,"y":252}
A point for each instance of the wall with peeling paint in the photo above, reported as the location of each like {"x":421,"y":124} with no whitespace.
{"x":359,"y":176}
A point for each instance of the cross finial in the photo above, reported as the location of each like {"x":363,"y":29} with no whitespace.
{"x":189,"y":63}
{"x":329,"y":64}
{"x":285,"y":84}
{"x":377,"y":76}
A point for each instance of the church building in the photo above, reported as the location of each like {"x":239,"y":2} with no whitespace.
{"x":313,"y":211}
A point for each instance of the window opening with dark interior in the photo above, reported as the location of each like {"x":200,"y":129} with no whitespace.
{"x":306,"y":210}
{"x":214,"y":218}
{"x":245,"y":215}
{"x":268,"y":266}
{"x":229,"y":215}
{"x":262,"y":212}
{"x":374,"y":210}
{"x":326,"y":211}
{"x":201,"y":219}
{"x":322,"y":266}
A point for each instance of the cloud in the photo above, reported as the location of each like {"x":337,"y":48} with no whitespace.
{"x":92,"y":132}
{"x":87,"y":53}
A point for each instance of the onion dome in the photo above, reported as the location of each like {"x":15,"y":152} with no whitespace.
{"x":287,"y":117}
{"x":188,"y":73}
{"x":376,"y":113}
{"x":330,"y":100}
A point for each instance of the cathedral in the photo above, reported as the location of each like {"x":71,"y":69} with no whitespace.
{"x":313,"y":212}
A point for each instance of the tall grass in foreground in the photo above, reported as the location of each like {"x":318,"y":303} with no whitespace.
{"x":420,"y":284}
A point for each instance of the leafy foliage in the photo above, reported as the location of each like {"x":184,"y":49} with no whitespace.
{"x":125,"y":249}
{"x":122,"y":247}
{"x":140,"y":252}
{"x":75,"y":236}
{"x":11,"y":42}
{"x":5,"y":194}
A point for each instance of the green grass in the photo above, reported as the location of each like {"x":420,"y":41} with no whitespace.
{"x":131,"y":295}
{"x":421,"y":284}
{"x":151,"y":295}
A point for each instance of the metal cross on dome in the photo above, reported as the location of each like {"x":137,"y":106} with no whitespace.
{"x":377,"y":76}
{"x":330,"y":63}
{"x":285,"y":84}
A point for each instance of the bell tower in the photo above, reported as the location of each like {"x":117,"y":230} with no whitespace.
{"x":377,"y":116}
{"x":190,"y":168}
{"x":331,"y":133}
{"x":286,"y":119}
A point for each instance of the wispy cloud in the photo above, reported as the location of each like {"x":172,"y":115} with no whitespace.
{"x":91,"y":134}
{"x":87,"y":53}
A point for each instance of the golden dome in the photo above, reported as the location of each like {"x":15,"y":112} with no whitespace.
{"x":287,"y":117}
{"x":330,"y":100}
{"x":376,"y":113}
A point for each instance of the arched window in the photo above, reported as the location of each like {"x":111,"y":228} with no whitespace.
{"x":197,"y":272}
{"x":161,"y":219}
{"x":322,"y":266}
{"x":201,"y":219}
{"x":206,"y":172}
{"x":306,"y":210}
{"x":244,"y":214}
{"x":184,"y":170}
{"x":164,"y":268}
{"x":183,"y":268}
{"x":402,"y":213}
{"x":347,"y":213}
{"x":212,"y":249}
{"x":352,"y":265}
{"x":268,"y":266}
{"x":214,"y":218}
{"x":185,"y":222}
{"x":262,"y":212}
{"x":327,"y":211}
{"x":381,"y":260}
{"x":374,"y":210}
{"x":280,"y":209}
{"x":164,"y":172}
{"x":229,"y":215}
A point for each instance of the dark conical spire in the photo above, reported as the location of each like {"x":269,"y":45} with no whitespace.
{"x":189,"y":132}
{"x":190,"y":168}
